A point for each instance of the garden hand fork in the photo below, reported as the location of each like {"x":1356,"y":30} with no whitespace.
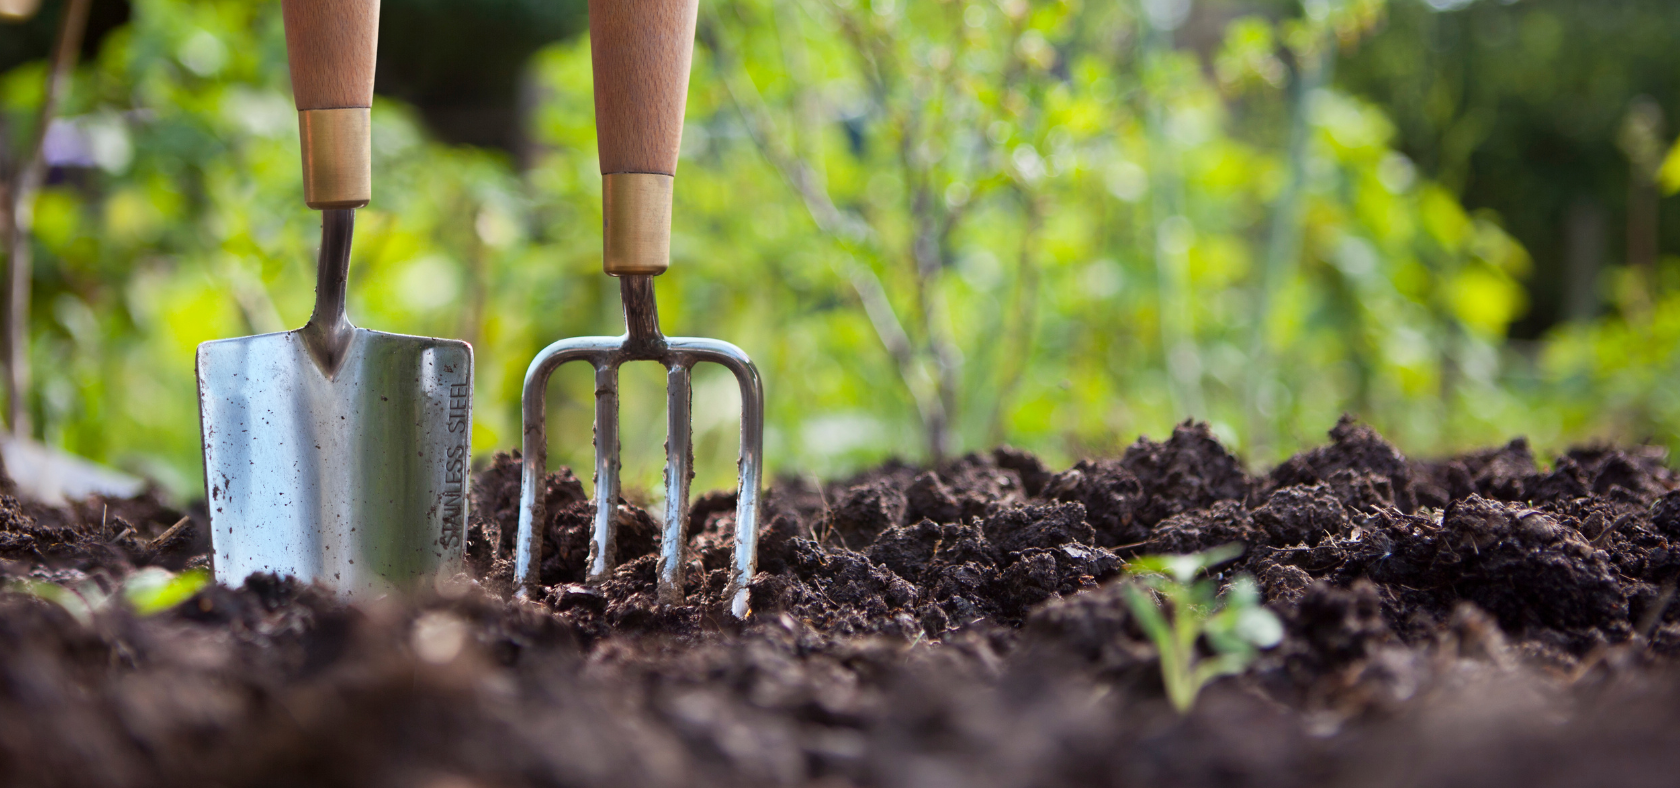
{"x":641,"y":52}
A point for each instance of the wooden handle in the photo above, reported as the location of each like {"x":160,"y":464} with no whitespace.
{"x":641,"y":51}
{"x":331,"y":46}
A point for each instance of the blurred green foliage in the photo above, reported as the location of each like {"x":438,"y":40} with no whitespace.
{"x":1536,"y":110}
{"x":147,"y":592}
{"x":935,"y":226}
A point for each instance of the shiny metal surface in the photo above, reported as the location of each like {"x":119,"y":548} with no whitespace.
{"x":334,"y":453}
{"x":337,"y":156}
{"x":636,"y":223}
{"x":642,"y":341}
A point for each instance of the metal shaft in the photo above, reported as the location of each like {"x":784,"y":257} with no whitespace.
{"x":641,"y":316}
{"x":332,"y":267}
{"x":328,"y":332}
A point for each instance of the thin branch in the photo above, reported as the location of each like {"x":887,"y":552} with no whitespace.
{"x":852,"y":232}
{"x":1283,"y":245}
{"x":928,"y":250}
{"x":1026,"y":311}
{"x":18,"y":216}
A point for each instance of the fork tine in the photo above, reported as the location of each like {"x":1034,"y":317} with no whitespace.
{"x":679,"y":472}
{"x":534,"y":444}
{"x":724,"y":354}
{"x":603,"y":541}
{"x":751,"y":470}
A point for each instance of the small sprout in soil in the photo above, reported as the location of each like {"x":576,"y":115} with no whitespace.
{"x":148,"y":592}
{"x":1183,"y":610}
{"x":80,"y":602}
{"x":153,"y":590}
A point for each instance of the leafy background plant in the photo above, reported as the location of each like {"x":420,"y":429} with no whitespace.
{"x":935,"y":225}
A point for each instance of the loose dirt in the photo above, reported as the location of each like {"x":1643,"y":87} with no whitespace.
{"x":1477,"y":621}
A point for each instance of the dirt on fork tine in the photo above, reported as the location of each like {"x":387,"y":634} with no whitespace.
{"x":1479,"y":620}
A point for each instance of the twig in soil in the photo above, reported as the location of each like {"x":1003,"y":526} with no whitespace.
{"x":827,"y":518}
{"x":1653,"y":616}
{"x":169,"y":533}
{"x":1588,"y":662}
{"x":1647,"y":624}
{"x":1602,"y":540}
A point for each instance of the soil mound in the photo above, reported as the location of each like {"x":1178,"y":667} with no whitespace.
{"x":1475,"y":621}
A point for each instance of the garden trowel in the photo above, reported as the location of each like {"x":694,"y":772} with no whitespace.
{"x":333,"y":453}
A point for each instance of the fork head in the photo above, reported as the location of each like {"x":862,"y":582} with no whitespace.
{"x":641,"y":55}
{"x":642,"y":341}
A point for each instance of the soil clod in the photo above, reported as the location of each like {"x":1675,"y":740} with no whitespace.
{"x":1471,"y":619}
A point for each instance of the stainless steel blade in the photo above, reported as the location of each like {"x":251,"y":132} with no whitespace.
{"x":359,"y":480}
{"x":337,"y":455}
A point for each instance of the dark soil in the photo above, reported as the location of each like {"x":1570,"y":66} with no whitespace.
{"x":1478,"y":621}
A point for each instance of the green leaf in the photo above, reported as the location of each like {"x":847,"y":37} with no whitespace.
{"x":1222,"y":636}
{"x":1148,"y":564}
{"x":1220,"y":665}
{"x":1669,"y":175}
{"x":152,"y":590}
{"x":1184,"y":568}
{"x":73,"y":602}
{"x":1243,"y":592}
{"x":1203,"y":597}
{"x":1258,"y":626}
{"x":1149,"y":617}
{"x":1487,"y":299}
{"x":1243,"y":623}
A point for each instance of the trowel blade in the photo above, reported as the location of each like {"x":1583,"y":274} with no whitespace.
{"x":358,"y":479}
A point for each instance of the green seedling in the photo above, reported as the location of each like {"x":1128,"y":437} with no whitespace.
{"x":1178,"y":611}
{"x":151,"y":591}
{"x":148,"y":592}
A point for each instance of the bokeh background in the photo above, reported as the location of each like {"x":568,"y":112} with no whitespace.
{"x":937,"y":225}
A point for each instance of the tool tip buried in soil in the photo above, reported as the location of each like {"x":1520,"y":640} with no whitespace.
{"x":643,"y":341}
{"x":333,"y":453}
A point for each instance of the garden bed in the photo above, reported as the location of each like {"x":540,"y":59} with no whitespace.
{"x":1477,"y":621}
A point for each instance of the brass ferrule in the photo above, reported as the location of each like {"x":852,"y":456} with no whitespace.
{"x":337,"y":157}
{"x":636,"y":212}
